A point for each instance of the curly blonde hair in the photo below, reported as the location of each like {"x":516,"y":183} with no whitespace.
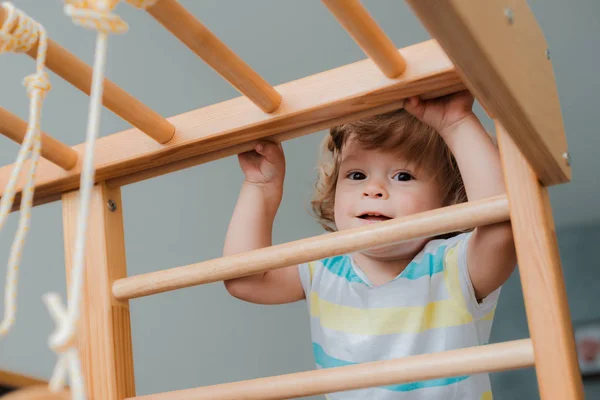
{"x":396,"y":131}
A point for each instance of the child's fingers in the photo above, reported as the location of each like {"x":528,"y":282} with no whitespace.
{"x":271,"y":151}
{"x":412,"y":102}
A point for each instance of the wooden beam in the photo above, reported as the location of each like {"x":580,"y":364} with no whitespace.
{"x":310,"y":102}
{"x":542,"y":280}
{"x":16,"y":380}
{"x":472,"y":360}
{"x":215,"y":53}
{"x":426,"y":224}
{"x":79,"y":74}
{"x":37,"y":393}
{"x":361,"y":26}
{"x":500,"y":51}
{"x":104,"y":331}
{"x":53,"y":150}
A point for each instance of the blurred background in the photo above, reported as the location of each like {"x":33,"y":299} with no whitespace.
{"x":201,"y":335}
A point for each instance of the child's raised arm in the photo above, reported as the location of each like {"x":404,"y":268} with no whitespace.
{"x":491,"y":254}
{"x":252,"y":224}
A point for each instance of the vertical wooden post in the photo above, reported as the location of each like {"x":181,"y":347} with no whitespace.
{"x":540,"y":269}
{"x":104,"y":329}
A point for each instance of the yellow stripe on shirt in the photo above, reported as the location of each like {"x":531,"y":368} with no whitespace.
{"x":384,"y":321}
{"x":486,"y":396}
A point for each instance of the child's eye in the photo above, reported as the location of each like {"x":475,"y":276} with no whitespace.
{"x":356,"y":176}
{"x":403,"y":177}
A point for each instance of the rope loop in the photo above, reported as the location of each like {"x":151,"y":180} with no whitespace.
{"x":19,"y":32}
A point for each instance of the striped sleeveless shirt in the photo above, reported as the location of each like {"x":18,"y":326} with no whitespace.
{"x":429,"y":307}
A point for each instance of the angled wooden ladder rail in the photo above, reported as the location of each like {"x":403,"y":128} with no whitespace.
{"x":426,"y":224}
{"x":312,"y":103}
{"x":488,"y":358}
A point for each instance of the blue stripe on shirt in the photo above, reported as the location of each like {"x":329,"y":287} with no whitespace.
{"x":429,"y":265}
{"x":324,"y":360}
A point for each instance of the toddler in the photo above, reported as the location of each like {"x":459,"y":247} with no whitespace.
{"x":420,"y":296}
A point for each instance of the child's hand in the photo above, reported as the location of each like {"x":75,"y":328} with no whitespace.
{"x":444,"y":113}
{"x":263,"y":165}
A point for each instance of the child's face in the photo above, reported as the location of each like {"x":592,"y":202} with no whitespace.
{"x":374,"y":185}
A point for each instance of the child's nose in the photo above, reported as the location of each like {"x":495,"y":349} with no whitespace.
{"x":375,"y":190}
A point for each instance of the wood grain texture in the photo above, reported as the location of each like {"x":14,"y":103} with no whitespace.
{"x":310,"y":101}
{"x":492,"y":358}
{"x":79,"y":74}
{"x":505,"y":65}
{"x":542,"y":281}
{"x":53,"y":150}
{"x":37,"y":393}
{"x":198,"y":38}
{"x":426,"y":224}
{"x":104,"y":331}
{"x":14,"y":379}
{"x":361,"y":26}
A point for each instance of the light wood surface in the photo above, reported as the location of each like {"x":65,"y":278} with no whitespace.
{"x":37,"y":393}
{"x":309,"y":101}
{"x":14,"y":379}
{"x":492,"y":358}
{"x":505,"y":65}
{"x":541,"y":276}
{"x":79,"y":74}
{"x":427,"y":224}
{"x":361,"y":26}
{"x":198,"y":38}
{"x":240,"y":148}
{"x":53,"y":150}
{"x":104,"y":332}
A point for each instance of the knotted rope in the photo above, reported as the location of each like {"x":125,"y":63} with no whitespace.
{"x":19,"y":33}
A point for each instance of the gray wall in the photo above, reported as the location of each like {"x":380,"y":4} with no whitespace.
{"x":201,"y":335}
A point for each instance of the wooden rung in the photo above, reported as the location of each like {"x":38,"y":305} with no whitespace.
{"x":473,"y":360}
{"x":215,"y":53}
{"x":79,"y":74}
{"x":443,"y":220}
{"x":312,"y":104}
{"x":355,"y":18}
{"x":53,"y":150}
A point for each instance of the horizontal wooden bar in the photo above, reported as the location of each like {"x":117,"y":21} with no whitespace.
{"x":310,"y":101}
{"x":502,"y":55}
{"x":443,"y":220}
{"x":53,"y":150}
{"x":198,"y":38}
{"x":472,"y":360}
{"x":361,"y":26}
{"x":79,"y":74}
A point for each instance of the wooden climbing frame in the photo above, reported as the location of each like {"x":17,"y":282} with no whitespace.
{"x":494,"y":48}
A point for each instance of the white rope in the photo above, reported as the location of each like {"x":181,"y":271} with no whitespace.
{"x":19,"y":33}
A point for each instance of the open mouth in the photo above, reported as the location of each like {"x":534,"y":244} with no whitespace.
{"x":373,"y":216}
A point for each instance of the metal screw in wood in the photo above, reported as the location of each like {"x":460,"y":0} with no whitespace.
{"x":508,"y":13}
{"x":112,"y":206}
